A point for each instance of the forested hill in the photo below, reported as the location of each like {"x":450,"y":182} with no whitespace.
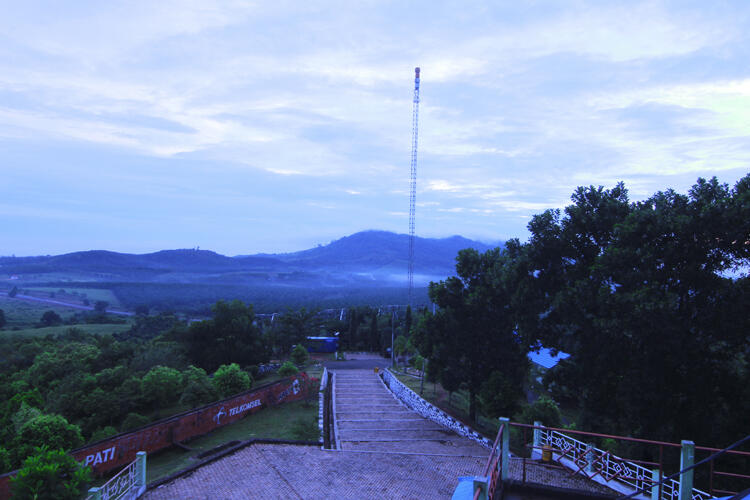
{"x":364,"y":252}
{"x":368,"y":250}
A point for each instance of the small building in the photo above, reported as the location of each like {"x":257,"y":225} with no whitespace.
{"x":322,"y":344}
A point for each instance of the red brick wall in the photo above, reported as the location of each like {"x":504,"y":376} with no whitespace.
{"x":120,"y":450}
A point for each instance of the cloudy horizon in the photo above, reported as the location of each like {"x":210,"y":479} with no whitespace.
{"x":273,"y":127}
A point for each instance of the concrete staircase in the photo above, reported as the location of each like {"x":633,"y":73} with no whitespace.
{"x":369,"y":418}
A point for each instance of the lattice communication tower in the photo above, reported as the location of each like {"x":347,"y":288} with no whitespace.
{"x":413,"y":191}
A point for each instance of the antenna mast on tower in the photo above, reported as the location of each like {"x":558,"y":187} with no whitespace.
{"x":413,"y":191}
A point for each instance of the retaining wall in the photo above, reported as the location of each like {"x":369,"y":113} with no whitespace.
{"x":118,"y":451}
{"x":430,"y":411}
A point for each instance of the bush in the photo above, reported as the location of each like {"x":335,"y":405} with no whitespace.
{"x":299,"y":355}
{"x":544,"y":410}
{"x":162,"y":385}
{"x":133,"y":421}
{"x":4,"y":460}
{"x":47,"y":430}
{"x":50,"y":474}
{"x":102,"y":433}
{"x":51,"y":318}
{"x":498,"y":396}
{"x":230,"y":379}
{"x":288,"y":369}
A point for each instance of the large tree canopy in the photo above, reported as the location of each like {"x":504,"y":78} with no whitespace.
{"x":230,"y":337}
{"x":471,"y":337}
{"x":649,"y":298}
{"x":651,"y":301}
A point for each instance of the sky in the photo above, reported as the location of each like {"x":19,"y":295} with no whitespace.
{"x":246,"y":127}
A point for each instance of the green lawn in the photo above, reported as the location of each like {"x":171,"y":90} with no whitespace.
{"x":100,"y":329}
{"x":278,"y":422}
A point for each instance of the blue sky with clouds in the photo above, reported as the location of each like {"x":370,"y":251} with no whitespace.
{"x":245,"y":127}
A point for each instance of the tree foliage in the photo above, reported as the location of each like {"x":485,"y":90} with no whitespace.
{"x":162,"y":385}
{"x":288,"y":369}
{"x":473,"y":335}
{"x":300,"y":355}
{"x":50,"y":474}
{"x":650,"y":299}
{"x":51,"y":318}
{"x":230,"y":379}
{"x":229,"y":337}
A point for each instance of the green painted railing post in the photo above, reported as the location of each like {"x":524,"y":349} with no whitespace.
{"x":483,"y":484}
{"x":655,"y":477}
{"x":140,"y":472}
{"x":590,"y":458}
{"x":536,"y":449}
{"x":505,"y":450}
{"x":687,"y":458}
{"x":95,"y":493}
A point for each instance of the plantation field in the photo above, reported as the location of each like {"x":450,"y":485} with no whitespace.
{"x":94,"y":329}
{"x":75,"y":294}
{"x":25,"y":314}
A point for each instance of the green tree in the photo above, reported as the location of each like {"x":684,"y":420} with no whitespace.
{"x":102,"y":433}
{"x":473,"y":332}
{"x":50,"y":430}
{"x":544,"y":410}
{"x":293,"y":327}
{"x":198,"y":387}
{"x":162,"y":385}
{"x":288,"y":369}
{"x":637,"y":293}
{"x":133,"y":421}
{"x":100,"y":306}
{"x":5,"y":460}
{"x":50,"y":474}
{"x":300,"y":355}
{"x":374,"y":343}
{"x":230,"y":337}
{"x":51,"y":318}
{"x":3,"y":321}
{"x":230,"y":379}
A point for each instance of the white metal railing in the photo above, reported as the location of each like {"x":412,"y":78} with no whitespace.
{"x":129,"y":483}
{"x":593,"y":462}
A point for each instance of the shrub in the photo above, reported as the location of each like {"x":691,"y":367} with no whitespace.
{"x":230,"y":379}
{"x":102,"y":433}
{"x":4,"y":460}
{"x":50,"y":474}
{"x":47,"y":430}
{"x":288,"y":369}
{"x":498,"y":396}
{"x":544,"y":410}
{"x":133,"y":421}
{"x":162,"y":385}
{"x":299,"y":355}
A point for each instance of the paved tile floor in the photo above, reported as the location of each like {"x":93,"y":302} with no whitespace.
{"x":288,"y":471}
{"x":386,"y":451}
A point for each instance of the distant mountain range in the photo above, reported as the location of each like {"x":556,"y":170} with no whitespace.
{"x":369,"y":255}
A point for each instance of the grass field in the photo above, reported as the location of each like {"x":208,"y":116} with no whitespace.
{"x":26,"y":314}
{"x":287,"y":421}
{"x":100,"y":329}
{"x":76,"y":294}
